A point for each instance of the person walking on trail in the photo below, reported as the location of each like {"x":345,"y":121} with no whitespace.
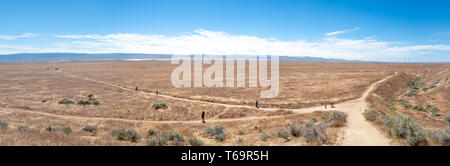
{"x":203,"y":116}
{"x":256,"y":104}
{"x":156,"y":91}
{"x":136,"y":88}
{"x":325,"y":106}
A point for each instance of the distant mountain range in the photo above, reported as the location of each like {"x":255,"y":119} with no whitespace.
{"x":60,"y":57}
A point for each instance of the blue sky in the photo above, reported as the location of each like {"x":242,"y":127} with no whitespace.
{"x":352,"y":29}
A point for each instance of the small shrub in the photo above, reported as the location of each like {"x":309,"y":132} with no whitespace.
{"x":156,"y":141}
{"x":434,"y":111}
{"x":241,"y":132}
{"x":195,"y":142}
{"x":49,"y":128}
{"x":447,"y":118}
{"x":66,"y":130}
{"x":404,"y":127}
{"x":84,"y":102}
{"x":410,"y":94}
{"x":3,"y":125}
{"x":419,"y":108}
{"x":96,"y":102}
{"x":126,"y":135}
{"x":283,"y":133}
{"x":65,"y":101}
{"x":91,"y":129}
{"x":176,"y":137}
{"x":220,"y":137}
{"x":442,"y":136}
{"x":264,"y":137}
{"x":314,"y":134}
{"x":371,"y":115}
{"x":151,"y":132}
{"x":217,"y":132}
{"x":405,"y":104}
{"x":313,"y":119}
{"x":337,"y":119}
{"x":295,"y":131}
{"x":158,"y":106}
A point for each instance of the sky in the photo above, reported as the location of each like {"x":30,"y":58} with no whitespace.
{"x":369,"y":30}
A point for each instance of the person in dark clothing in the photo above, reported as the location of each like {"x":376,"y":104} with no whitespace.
{"x":136,"y":88}
{"x":157,"y":92}
{"x":256,"y":104}
{"x":203,"y":116}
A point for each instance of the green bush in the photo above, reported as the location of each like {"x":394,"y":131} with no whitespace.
{"x":91,"y":129}
{"x":442,"y":136}
{"x":126,"y":135}
{"x":157,"y":106}
{"x":3,"y":125}
{"x":264,"y":137}
{"x":434,"y":111}
{"x":419,"y":108}
{"x":405,"y":104}
{"x":217,"y":132}
{"x":410,"y":94}
{"x":84,"y":102}
{"x":65,"y":101}
{"x":66,"y":130}
{"x":371,"y":115}
{"x":338,"y":116}
{"x":156,"y":141}
{"x":175,"y":136}
{"x":404,"y":127}
{"x":314,"y":134}
{"x":447,"y":118}
{"x":241,"y":132}
{"x":295,"y":131}
{"x":283,"y":133}
{"x":49,"y":128}
{"x":151,"y":132}
{"x":337,"y":119}
{"x":195,"y":142}
{"x":91,"y":100}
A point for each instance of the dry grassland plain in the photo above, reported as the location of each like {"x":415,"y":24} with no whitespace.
{"x":30,"y":95}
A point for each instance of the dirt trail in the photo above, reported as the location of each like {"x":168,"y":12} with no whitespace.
{"x":357,"y":132}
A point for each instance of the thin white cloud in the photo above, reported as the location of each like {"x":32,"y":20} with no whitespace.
{"x":13,"y":37}
{"x":341,"y":32}
{"x":221,"y":43}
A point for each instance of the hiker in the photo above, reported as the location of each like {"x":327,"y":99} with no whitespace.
{"x":203,"y":116}
{"x":156,"y":91}
{"x":256,"y":104}
{"x":325,"y":106}
{"x":136,"y":88}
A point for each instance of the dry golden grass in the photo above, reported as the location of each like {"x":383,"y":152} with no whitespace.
{"x":30,"y":87}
